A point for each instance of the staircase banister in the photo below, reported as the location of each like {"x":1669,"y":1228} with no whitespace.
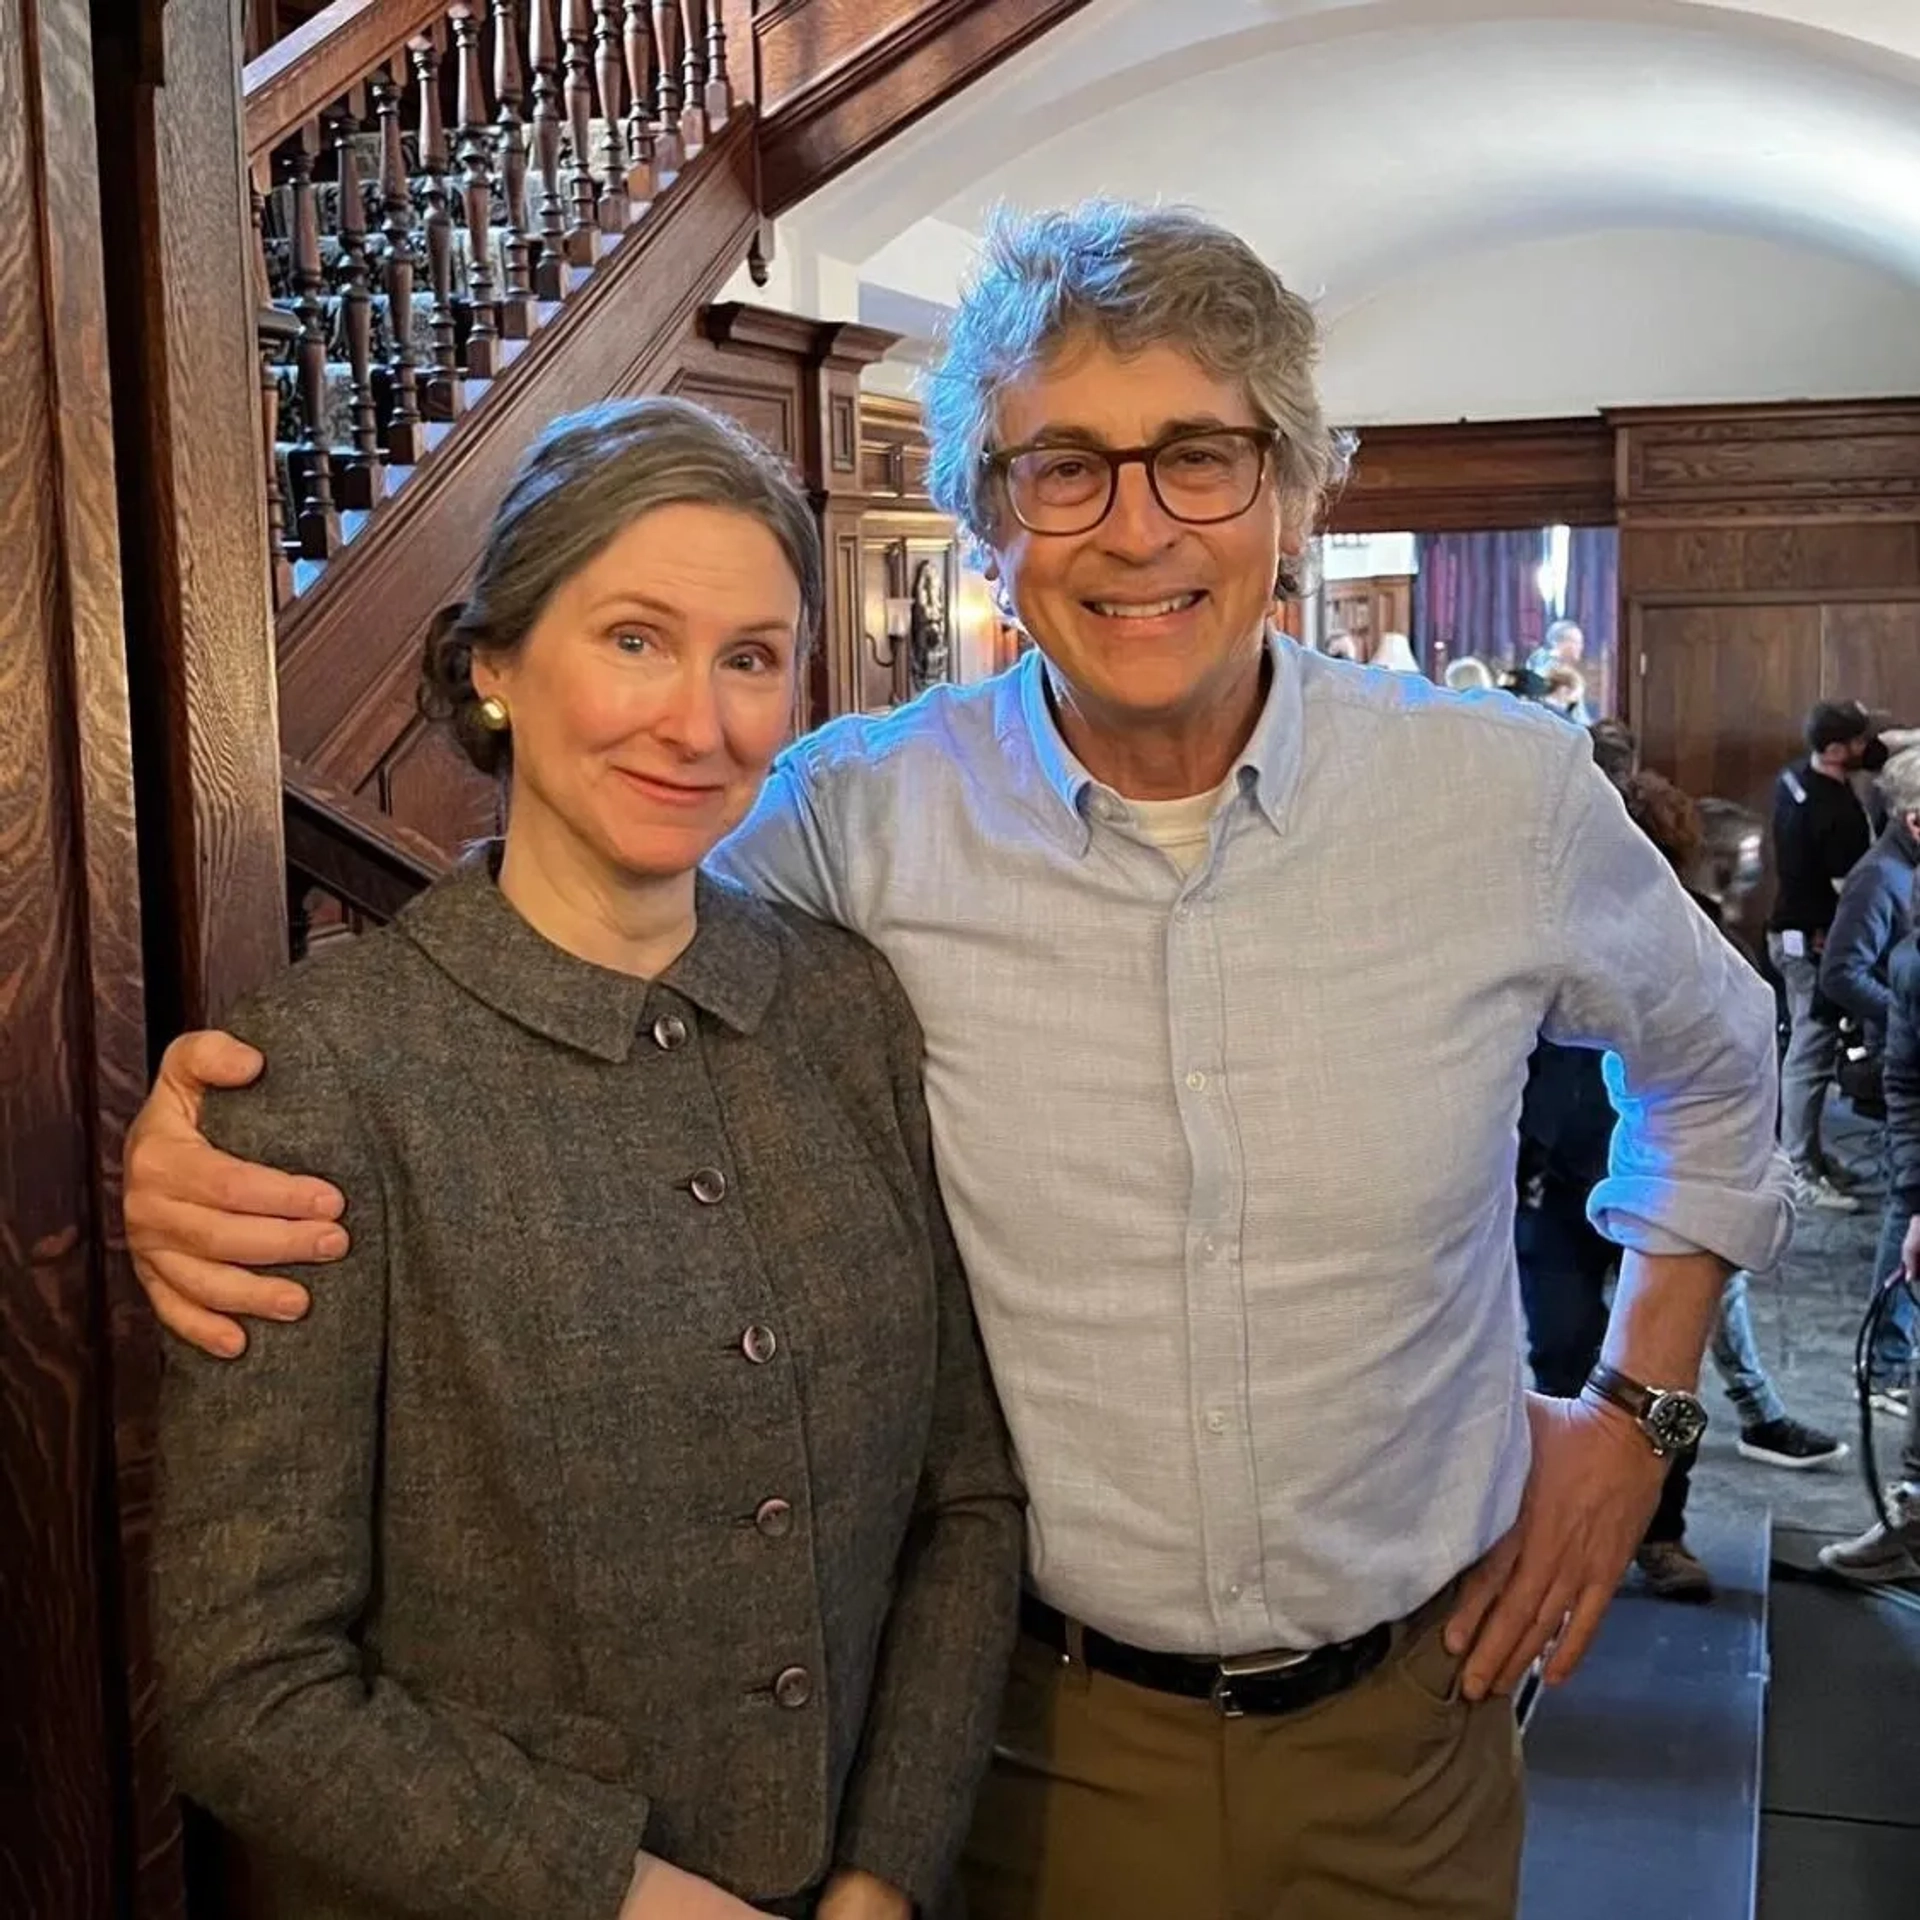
{"x":313,"y":66}
{"x":360,"y":855}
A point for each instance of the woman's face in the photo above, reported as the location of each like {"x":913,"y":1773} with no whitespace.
{"x":653,"y":691}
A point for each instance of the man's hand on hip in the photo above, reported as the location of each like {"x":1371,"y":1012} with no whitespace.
{"x":197,"y":1218}
{"x":1594,"y":1485}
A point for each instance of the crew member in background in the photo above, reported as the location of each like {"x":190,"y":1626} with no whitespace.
{"x":1873,"y":915}
{"x":1820,"y":829}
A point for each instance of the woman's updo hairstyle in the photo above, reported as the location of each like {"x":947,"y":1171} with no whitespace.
{"x":587,"y":478}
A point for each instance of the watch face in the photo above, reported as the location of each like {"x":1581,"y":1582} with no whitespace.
{"x":1675,"y":1421}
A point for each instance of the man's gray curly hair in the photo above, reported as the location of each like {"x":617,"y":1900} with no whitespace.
{"x":1131,"y":277}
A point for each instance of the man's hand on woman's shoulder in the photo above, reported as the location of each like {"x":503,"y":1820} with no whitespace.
{"x":198,"y":1220}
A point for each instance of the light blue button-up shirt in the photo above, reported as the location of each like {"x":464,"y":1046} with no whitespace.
{"x":1230,"y":1154}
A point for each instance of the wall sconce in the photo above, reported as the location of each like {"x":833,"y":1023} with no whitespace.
{"x":899,"y":627}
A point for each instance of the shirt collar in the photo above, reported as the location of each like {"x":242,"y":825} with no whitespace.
{"x":1268,"y":766}
{"x":467,"y":927}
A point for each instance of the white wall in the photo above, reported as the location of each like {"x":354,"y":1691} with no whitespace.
{"x":1654,"y":317}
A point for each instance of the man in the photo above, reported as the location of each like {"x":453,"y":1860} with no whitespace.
{"x":1890,"y":1548}
{"x":1556,"y":663}
{"x":1222,"y":1059}
{"x":1871,"y":919}
{"x":1820,"y":830}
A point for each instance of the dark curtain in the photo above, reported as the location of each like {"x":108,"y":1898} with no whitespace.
{"x":1593,"y":599}
{"x":1479,"y":593}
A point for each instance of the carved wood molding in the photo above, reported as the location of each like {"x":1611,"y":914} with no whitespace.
{"x":316,"y":63}
{"x":617,"y":335}
{"x":733,"y":323}
{"x":1771,"y":465}
{"x":1478,"y":474}
{"x":835,"y":84}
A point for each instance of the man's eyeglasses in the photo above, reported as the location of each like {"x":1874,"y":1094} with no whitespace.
{"x":1198,"y":478}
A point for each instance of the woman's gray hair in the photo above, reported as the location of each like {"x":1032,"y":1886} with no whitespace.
{"x":1130,"y":277}
{"x":587,"y":478}
{"x":1900,"y":782}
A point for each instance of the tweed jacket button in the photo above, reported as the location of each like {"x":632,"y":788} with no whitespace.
{"x":708,"y":1186}
{"x":794,"y":1688}
{"x":759,"y":1344}
{"x":669,"y":1031}
{"x":774,"y":1518}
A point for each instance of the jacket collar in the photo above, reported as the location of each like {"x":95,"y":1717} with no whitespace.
{"x":465,"y":925}
{"x":1268,"y":766}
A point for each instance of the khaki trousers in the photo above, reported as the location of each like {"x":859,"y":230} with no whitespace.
{"x":1107,"y":1801}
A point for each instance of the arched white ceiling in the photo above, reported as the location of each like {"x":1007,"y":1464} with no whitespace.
{"x":1361,"y":142}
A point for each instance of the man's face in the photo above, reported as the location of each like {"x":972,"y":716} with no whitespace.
{"x":1571,"y":647}
{"x":1144,"y":616}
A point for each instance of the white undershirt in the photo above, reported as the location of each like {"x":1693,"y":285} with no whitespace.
{"x":1179,"y":828}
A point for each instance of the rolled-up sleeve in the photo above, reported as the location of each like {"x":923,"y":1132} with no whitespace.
{"x":1688,"y":1028}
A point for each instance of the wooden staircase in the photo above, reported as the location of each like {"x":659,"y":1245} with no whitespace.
{"x":472,"y":217}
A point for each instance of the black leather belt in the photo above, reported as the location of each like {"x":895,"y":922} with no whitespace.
{"x":1262,"y":1683}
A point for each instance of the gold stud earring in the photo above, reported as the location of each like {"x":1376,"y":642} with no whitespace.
{"x":493,"y":714}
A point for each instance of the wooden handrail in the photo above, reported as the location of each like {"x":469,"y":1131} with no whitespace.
{"x":372,"y":863}
{"x":318,"y":62}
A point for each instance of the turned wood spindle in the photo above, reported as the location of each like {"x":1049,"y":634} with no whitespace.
{"x":476,"y":192}
{"x":719,"y":99}
{"x":317,"y":523}
{"x":669,"y":150}
{"x":273,"y":329}
{"x":360,"y":474}
{"x":693,"y":75}
{"x":610,"y":72}
{"x":509,"y":88}
{"x":641,"y":185}
{"x":543,"y":52}
{"x":445,"y":396}
{"x":405,"y":442}
{"x":576,"y":36}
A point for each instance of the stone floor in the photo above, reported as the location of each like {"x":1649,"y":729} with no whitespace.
{"x":1806,"y":1318}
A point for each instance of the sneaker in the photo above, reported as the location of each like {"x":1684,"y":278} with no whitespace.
{"x":1671,"y":1572}
{"x":1894,"y":1400}
{"x":1882,"y":1553}
{"x":1790,"y":1443}
{"x":1816,"y":1190}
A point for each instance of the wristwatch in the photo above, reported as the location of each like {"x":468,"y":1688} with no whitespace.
{"x":1671,"y":1418}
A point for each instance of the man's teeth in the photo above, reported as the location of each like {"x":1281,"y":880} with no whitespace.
{"x":1144,"y":609}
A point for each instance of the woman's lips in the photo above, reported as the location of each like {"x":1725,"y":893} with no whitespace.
{"x":667,"y":792}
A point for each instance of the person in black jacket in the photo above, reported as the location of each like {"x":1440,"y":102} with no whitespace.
{"x":1892,"y":1552}
{"x":1872,"y":918}
{"x":1820,"y":830}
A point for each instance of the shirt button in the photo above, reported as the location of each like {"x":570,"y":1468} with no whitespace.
{"x":669,"y":1031}
{"x":1233,"y":1593}
{"x":794,"y":1688}
{"x":1183,"y":911}
{"x":1196,"y":1079}
{"x":759,"y":1344}
{"x":708,"y":1186}
{"x":1209,"y":1246}
{"x":774,"y":1518}
{"x":1216,"y":1423}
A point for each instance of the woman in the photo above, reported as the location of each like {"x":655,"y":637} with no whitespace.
{"x":628,"y":1530}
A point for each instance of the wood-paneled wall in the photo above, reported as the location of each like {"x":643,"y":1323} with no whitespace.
{"x":1770,"y":557}
{"x":87,"y":1830}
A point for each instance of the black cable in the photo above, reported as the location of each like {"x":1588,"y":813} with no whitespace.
{"x":1877,"y":1310}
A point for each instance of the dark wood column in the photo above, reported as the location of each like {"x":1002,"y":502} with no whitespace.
{"x":186,"y":386}
{"x":846,"y":674}
{"x":87,"y":1829}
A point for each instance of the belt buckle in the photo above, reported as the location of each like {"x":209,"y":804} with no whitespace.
{"x":1250,"y":1666}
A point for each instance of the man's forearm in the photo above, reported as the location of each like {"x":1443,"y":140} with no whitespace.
{"x":1663,"y":1312}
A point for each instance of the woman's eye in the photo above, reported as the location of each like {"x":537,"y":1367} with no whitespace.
{"x":632,"y":642}
{"x":751,"y":660}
